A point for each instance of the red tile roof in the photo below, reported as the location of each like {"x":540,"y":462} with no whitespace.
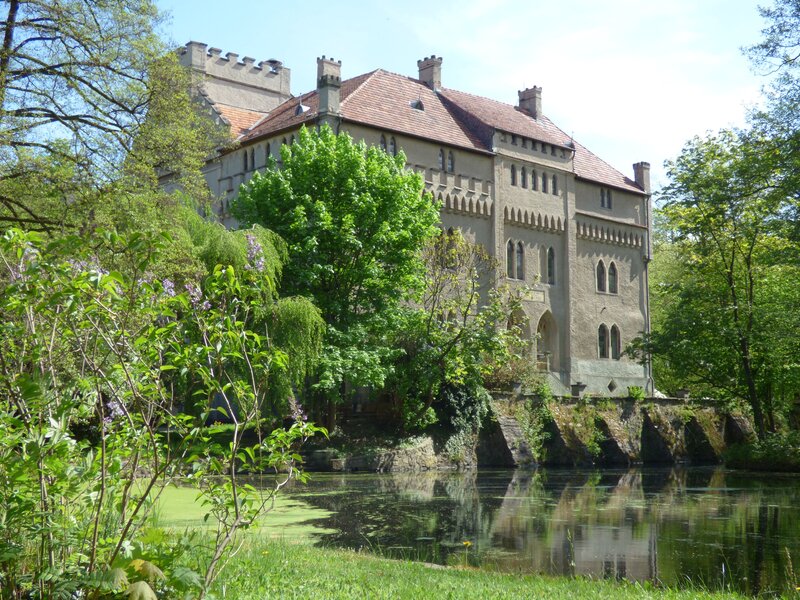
{"x":383,"y":100}
{"x":239,"y":119}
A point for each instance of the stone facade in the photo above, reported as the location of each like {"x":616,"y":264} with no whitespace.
{"x":568,"y":227}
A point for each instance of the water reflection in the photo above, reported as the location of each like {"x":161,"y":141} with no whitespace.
{"x":714,"y":528}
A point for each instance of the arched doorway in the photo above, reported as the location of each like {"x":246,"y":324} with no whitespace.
{"x":547,"y":354}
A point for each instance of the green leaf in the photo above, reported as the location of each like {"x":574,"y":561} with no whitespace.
{"x":140,"y":590}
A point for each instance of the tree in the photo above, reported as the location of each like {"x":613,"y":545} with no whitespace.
{"x":354,"y":221}
{"x":456,"y":335}
{"x":727,"y":320}
{"x":88,"y":94}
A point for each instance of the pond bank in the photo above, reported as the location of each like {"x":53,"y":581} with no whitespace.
{"x":282,"y":570}
{"x":522,"y":431}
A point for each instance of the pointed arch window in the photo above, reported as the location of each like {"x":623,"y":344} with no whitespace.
{"x":451,"y":162}
{"x":544,"y":182}
{"x":520,"y":261}
{"x":383,"y":143}
{"x":510,"y":259}
{"x":602,"y":341}
{"x":613,"y":287}
{"x":244,"y":161}
{"x":513,"y":175}
{"x":534,"y":180}
{"x":551,"y":266}
{"x":252,"y":159}
{"x":441,"y":159}
{"x":523,"y":177}
{"x":392,"y":146}
{"x":268,"y":152}
{"x":555,"y":185}
{"x":601,"y":277}
{"x":616,"y":346}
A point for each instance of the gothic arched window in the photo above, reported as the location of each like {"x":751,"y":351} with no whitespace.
{"x":441,"y":159}
{"x":551,"y":266}
{"x":601,"y":277}
{"x":602,"y":341}
{"x":510,"y":259}
{"x":392,"y":146}
{"x":520,"y":261}
{"x":612,"y":279}
{"x":383,"y":143}
{"x":451,"y":163}
{"x":513,"y":175}
{"x":615,"y":343}
{"x":555,"y":185}
{"x":523,"y":177}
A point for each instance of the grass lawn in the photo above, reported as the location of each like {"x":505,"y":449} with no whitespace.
{"x":277,"y":569}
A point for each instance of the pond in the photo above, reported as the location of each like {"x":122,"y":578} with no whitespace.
{"x":704,"y":527}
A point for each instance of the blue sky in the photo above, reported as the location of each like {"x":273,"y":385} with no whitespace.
{"x":631,"y":79}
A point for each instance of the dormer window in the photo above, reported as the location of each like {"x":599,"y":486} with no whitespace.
{"x":417,"y":105}
{"x":301,"y":108}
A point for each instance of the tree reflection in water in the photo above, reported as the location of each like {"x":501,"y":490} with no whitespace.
{"x":666,"y":525}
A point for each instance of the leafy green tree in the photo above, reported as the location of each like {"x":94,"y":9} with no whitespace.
{"x":91,"y":102}
{"x":92,"y":363}
{"x":455,"y":336}
{"x":354,"y":221}
{"x":727,"y":308}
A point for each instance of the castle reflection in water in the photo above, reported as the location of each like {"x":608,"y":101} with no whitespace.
{"x":716,"y":528}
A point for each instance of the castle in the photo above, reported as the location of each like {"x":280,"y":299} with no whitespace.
{"x":563,"y":222}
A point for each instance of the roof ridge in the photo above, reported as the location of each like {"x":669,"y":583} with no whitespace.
{"x":367,"y":76}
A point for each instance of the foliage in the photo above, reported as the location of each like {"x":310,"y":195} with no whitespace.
{"x":723,"y":319}
{"x":104,"y":353}
{"x":636,"y":393}
{"x":457,"y":334}
{"x":91,"y":102}
{"x":354,"y":221}
{"x":775,"y":452}
{"x":533,"y":416}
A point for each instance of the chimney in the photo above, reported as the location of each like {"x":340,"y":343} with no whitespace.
{"x":641,"y":175}
{"x":530,"y":100}
{"x":430,"y":71}
{"x":329,"y":83}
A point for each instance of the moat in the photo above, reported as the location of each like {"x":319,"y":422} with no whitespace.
{"x":705,"y":527}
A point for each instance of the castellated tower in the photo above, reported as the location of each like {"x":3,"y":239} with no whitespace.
{"x":227,"y":81}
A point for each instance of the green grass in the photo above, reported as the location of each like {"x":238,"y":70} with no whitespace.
{"x":179,"y":508}
{"x":265,"y":569}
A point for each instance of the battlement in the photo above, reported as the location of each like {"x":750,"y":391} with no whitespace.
{"x":234,"y":82}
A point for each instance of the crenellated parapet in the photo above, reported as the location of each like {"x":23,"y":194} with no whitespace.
{"x":531,"y":219}
{"x":232,"y":81}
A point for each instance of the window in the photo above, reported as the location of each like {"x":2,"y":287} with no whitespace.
{"x":555,"y":185}
{"x":284,"y":141}
{"x":615,"y":342}
{"x":524,"y":142}
{"x":513,"y":175}
{"x":533,"y":145}
{"x":392,"y":146}
{"x":544,"y":182}
{"x":520,"y":261}
{"x":451,"y":162}
{"x":605,"y":198}
{"x":417,"y":105}
{"x":523,"y":177}
{"x":441,"y":159}
{"x":383,"y":143}
{"x":292,"y":141}
{"x":534,"y":181}
{"x":553,"y":150}
{"x":244,"y":161}
{"x":513,"y":139}
{"x":268,"y":152}
{"x":544,"y":148}
{"x":551,"y":266}
{"x":601,"y":277}
{"x":252,"y":158}
{"x":602,"y":341}
{"x":612,"y":279}
{"x":510,"y":259}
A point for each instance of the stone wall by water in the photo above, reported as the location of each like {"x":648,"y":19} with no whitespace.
{"x":620,"y":433}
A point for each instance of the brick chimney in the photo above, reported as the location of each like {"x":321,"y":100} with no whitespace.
{"x":329,"y":83}
{"x":530,"y":100}
{"x":430,"y":71}
{"x":641,"y":175}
